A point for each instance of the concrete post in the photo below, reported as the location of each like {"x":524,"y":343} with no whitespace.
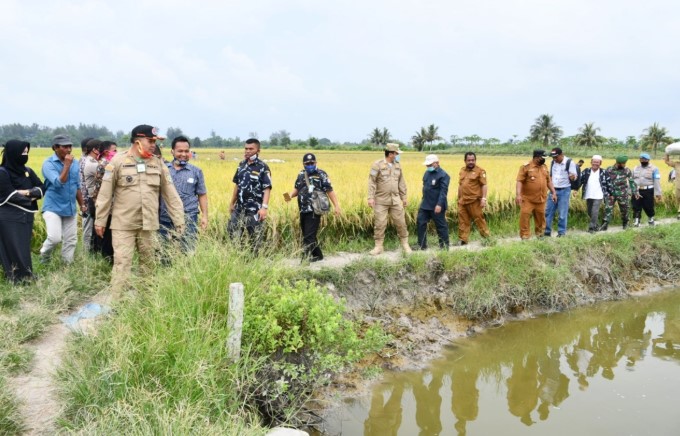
{"x":235,"y":321}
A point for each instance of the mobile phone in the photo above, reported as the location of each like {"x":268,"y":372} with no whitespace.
{"x":286,"y":196}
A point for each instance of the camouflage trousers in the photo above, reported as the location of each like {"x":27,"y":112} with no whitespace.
{"x":624,"y":206}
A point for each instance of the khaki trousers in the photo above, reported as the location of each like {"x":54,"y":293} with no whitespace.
{"x":124,"y":244}
{"x":381,"y":212}
{"x":468,"y":213}
{"x":528,"y":209}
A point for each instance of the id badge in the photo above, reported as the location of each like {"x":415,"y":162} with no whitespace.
{"x":141,"y":168}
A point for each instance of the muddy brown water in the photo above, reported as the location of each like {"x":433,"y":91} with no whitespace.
{"x":609,"y":369}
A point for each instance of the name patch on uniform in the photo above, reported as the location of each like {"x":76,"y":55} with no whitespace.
{"x":190,"y":180}
{"x":255,"y":173}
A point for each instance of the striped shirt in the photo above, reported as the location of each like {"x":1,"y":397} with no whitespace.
{"x":190,"y":183}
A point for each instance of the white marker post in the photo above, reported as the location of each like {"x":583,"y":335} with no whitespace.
{"x":235,"y":321}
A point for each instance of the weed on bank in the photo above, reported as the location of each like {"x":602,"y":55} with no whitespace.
{"x":161,"y":363}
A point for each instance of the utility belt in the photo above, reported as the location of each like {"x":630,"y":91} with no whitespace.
{"x":644,"y":188}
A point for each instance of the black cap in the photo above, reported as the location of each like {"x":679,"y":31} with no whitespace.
{"x":145,"y":131}
{"x":556,"y":152}
{"x":309,"y":157}
{"x":539,"y":153}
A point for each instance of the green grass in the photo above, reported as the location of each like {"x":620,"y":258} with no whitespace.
{"x":161,"y":362}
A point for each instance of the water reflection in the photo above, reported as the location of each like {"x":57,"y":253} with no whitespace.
{"x":531,"y":366}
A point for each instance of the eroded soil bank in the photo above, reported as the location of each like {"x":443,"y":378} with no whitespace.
{"x":424,"y":302}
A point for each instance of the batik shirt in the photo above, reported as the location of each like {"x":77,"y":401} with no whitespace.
{"x":319,"y":179}
{"x":252,"y":180}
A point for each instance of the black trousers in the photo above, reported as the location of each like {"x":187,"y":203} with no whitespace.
{"x":309,"y":224}
{"x":104,"y":245}
{"x":16,"y":229}
{"x":646,"y":202}
{"x":424,"y":217}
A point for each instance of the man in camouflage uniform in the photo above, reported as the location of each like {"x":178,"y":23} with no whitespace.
{"x":622,"y":187}
{"x":309,"y":179}
{"x":250,"y":199}
{"x":387,"y":196}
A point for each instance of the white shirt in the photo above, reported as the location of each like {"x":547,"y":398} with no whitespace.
{"x":560,"y":173}
{"x":593,"y":188}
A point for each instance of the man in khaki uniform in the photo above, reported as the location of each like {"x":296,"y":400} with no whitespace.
{"x":533,"y":182}
{"x":472,"y":191}
{"x":387,"y":195}
{"x":129,"y":192}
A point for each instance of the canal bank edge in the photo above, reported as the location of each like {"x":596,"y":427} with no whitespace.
{"x":425,"y":301}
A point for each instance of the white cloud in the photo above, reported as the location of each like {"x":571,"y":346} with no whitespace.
{"x":338,"y":69}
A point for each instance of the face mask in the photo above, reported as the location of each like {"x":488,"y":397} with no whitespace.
{"x":541,"y":161}
{"x":644,"y":164}
{"x":430,"y":169}
{"x":310,"y":168}
{"x":110,"y":154}
{"x":397,"y":158}
{"x":143,"y":153}
{"x":23,"y":159}
{"x":253,"y":157}
{"x":181,"y":163}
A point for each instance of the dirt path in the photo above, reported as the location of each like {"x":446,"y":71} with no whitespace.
{"x":37,"y":391}
{"x":341,"y":259}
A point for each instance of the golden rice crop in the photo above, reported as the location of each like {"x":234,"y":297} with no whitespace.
{"x":348,"y":171}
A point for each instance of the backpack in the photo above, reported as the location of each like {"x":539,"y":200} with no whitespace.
{"x":321,"y":204}
{"x":575,"y":184}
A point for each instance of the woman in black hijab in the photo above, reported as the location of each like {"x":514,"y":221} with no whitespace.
{"x":20,"y":190}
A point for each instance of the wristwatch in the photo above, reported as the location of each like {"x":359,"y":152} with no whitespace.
{"x":265,"y":206}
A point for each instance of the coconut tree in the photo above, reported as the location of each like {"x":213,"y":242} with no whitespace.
{"x":380,"y":137}
{"x":432,"y":134}
{"x":419,"y":139}
{"x":653,"y":136}
{"x":588,"y":136}
{"x":545,"y":130}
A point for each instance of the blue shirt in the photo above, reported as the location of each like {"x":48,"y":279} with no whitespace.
{"x":190,"y":183}
{"x":60,"y":198}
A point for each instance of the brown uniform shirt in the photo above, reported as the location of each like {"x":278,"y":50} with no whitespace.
{"x":386,"y":185}
{"x":534,"y":179}
{"x":136,"y":194}
{"x":471,"y":183}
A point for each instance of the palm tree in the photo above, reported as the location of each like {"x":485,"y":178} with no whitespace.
{"x":380,"y":137}
{"x":654,"y":136}
{"x":588,"y":136}
{"x":545,"y":130}
{"x":431,"y":134}
{"x":419,"y":138}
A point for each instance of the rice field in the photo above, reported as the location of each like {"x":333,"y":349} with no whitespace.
{"x":348,"y":171}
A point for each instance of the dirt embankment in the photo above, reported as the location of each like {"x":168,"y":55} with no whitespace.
{"x":422,"y":305}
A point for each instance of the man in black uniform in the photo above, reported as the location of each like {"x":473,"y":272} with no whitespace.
{"x":309,"y":179}
{"x":434,"y":203}
{"x":250,"y":199}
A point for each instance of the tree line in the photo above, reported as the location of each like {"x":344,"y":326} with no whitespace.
{"x":544,"y":130}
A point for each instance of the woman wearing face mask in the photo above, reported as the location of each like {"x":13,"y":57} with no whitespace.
{"x":20,"y":188}
{"x":309,"y":221}
{"x":107,"y":150}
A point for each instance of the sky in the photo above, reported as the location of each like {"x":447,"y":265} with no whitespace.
{"x":338,"y":69}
